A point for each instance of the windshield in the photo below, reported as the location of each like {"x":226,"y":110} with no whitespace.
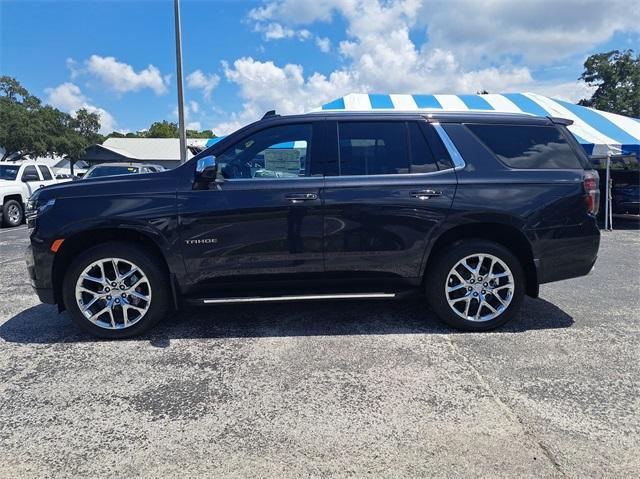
{"x":8,"y":172}
{"x":98,"y":171}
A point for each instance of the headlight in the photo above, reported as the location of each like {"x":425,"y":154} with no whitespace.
{"x":35,"y":207}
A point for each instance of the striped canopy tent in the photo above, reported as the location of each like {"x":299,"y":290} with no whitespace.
{"x":600,"y":133}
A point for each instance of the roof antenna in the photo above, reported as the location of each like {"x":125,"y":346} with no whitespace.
{"x":268,"y":114}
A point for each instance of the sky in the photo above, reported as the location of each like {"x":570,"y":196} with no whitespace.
{"x":243,"y":58}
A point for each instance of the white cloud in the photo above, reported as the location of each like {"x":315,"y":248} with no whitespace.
{"x":200,"y":80}
{"x":121,"y":77}
{"x":194,"y":125}
{"x":72,"y":65}
{"x":275,"y":31}
{"x":195,"y":106}
{"x":299,"y":11}
{"x":264,"y":86}
{"x":471,"y":46}
{"x":534,"y":30}
{"x":68,"y":97}
{"x":539,"y":32}
{"x":324,"y":44}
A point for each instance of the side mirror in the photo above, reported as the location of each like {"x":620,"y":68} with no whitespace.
{"x":207,"y":168}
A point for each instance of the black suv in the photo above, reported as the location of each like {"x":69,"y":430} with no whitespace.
{"x":474,"y":210}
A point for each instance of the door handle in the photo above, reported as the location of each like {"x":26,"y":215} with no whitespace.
{"x":300,"y":197}
{"x":425,"y":194}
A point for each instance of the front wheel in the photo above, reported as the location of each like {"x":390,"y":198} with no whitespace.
{"x":115,"y":290}
{"x":12,"y":213}
{"x":476,"y":285}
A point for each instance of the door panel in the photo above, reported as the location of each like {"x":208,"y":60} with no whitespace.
{"x":263,"y":217}
{"x":252,"y":227}
{"x":31,"y":178}
{"x":383,"y":226}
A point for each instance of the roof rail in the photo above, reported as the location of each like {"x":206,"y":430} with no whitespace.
{"x":269,"y":114}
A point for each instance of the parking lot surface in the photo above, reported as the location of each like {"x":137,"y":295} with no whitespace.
{"x":340,"y":389}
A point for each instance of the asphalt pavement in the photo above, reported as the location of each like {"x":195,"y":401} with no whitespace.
{"x":328,"y":389}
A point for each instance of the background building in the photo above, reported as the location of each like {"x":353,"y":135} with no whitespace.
{"x":161,"y":151}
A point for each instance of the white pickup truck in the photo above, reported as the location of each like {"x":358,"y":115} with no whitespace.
{"x":17,"y":181}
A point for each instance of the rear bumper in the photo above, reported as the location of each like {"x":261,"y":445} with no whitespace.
{"x":567,"y":252}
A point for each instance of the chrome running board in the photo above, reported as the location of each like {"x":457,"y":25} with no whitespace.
{"x":262,"y":299}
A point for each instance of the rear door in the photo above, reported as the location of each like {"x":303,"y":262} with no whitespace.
{"x":386,"y":189}
{"x":47,"y":175}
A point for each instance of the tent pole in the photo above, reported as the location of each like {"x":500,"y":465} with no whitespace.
{"x":607,"y":202}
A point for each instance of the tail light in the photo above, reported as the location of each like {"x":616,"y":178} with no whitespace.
{"x":592,"y":189}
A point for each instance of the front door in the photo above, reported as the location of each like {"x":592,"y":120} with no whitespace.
{"x":262,"y":216}
{"x":385,"y":191}
{"x":31,"y":178}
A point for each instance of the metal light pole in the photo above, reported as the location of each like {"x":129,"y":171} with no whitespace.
{"x":181,"y":130}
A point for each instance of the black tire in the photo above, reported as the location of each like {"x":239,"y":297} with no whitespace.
{"x":438,"y":275}
{"x":155,"y":273}
{"x":9,"y":208}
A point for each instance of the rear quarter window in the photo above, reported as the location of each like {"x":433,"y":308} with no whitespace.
{"x":528,"y":146}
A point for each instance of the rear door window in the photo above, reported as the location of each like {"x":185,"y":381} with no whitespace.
{"x":372,"y":148}
{"x":528,"y":146}
{"x":45,"y":173}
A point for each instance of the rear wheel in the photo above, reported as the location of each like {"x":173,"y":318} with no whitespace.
{"x":476,"y":285}
{"x":115,"y":290}
{"x":12,"y":213}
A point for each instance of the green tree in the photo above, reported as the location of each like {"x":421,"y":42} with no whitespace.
{"x":163,"y":129}
{"x":616,"y":76}
{"x":19,"y":120}
{"x":27,"y":128}
{"x":87,"y":124}
{"x":200,"y":134}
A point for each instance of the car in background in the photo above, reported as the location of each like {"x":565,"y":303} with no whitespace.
{"x":113,"y":169}
{"x":626,"y":199}
{"x":62,"y":169}
{"x":18,"y":180}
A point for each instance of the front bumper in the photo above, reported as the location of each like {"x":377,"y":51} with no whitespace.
{"x":39,"y":268}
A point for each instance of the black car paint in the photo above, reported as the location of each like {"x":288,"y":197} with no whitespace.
{"x":359,"y":228}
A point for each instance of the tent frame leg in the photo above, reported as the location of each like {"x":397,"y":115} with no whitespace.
{"x":608,"y":214}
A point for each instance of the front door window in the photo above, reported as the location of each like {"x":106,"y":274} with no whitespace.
{"x":277,"y":152}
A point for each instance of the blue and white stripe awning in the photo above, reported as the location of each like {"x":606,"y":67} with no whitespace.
{"x":599,"y":132}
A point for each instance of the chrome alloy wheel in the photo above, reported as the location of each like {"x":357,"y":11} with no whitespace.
{"x":113,"y":293}
{"x":13,"y":212}
{"x":479,"y":287}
